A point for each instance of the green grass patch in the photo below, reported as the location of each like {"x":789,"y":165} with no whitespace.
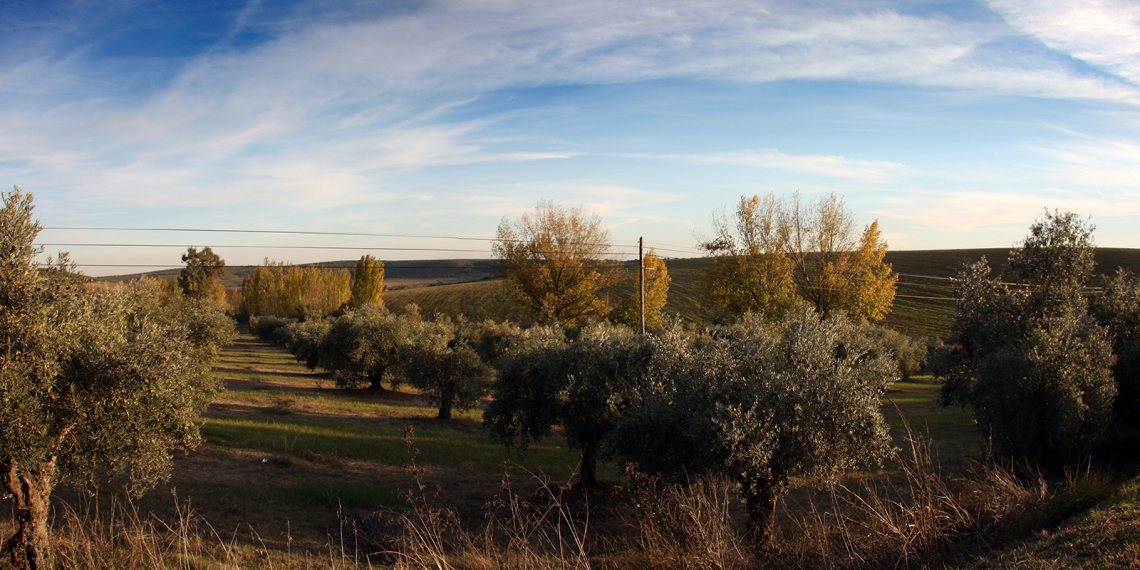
{"x":386,"y":445}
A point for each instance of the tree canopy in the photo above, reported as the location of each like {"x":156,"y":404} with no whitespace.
{"x":111,"y":379}
{"x":771,"y":251}
{"x":555,"y":263}
{"x":762,"y":403}
{"x":1027,"y":356}
{"x":367,"y":282}
{"x":198,"y":277}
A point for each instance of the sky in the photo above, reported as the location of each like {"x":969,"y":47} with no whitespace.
{"x":955,"y":124}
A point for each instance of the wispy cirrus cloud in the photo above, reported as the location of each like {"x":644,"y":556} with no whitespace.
{"x":825,"y":165}
{"x":1103,"y":33}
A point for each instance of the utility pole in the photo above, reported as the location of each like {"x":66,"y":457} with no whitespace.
{"x":641,"y":280}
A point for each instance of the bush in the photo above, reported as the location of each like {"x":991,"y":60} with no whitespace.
{"x":909,"y":353}
{"x":266,"y":326}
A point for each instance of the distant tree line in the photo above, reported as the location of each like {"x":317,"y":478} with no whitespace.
{"x":281,"y":290}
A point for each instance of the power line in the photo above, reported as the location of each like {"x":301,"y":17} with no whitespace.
{"x":298,"y":232}
{"x":668,"y":247}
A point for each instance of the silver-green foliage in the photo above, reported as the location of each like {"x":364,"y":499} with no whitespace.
{"x":365,"y":344}
{"x":111,"y":379}
{"x":582,"y":385}
{"x":1118,"y":309}
{"x":1030,"y":360}
{"x":442,"y":362}
{"x":763,"y":404}
{"x":304,"y":339}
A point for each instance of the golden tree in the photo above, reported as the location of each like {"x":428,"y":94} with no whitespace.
{"x":367,"y":282}
{"x":772,"y":250}
{"x":656,"y":293}
{"x":290,"y":291}
{"x":555,"y":263}
{"x":752,"y":268}
{"x":836,"y":268}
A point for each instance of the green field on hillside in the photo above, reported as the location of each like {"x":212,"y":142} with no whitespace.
{"x":922,"y":304}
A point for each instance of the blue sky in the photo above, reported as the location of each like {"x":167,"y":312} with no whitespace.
{"x":955,"y":124}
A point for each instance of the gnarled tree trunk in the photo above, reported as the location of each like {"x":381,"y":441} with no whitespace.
{"x":588,"y":469}
{"x":375,"y":377}
{"x":761,"y":499}
{"x":31,"y":490}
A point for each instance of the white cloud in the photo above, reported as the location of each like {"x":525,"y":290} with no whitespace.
{"x":1103,"y":33}
{"x":826,"y":165}
{"x":968,"y":211}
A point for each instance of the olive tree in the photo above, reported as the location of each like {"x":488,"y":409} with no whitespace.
{"x":304,"y":340}
{"x":1118,"y":309}
{"x":442,"y":362}
{"x":581,"y":385}
{"x":764,"y":404}
{"x":89,"y":381}
{"x":364,"y":344}
{"x":1029,"y":359}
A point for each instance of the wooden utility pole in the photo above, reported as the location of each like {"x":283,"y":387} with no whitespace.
{"x":641,"y":280}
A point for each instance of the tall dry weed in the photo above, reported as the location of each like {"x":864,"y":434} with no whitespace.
{"x":535,"y":533}
{"x":687,"y":526}
{"x":924,"y":519}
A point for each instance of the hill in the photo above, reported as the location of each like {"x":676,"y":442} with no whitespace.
{"x":396,"y":273}
{"x":923,"y":304}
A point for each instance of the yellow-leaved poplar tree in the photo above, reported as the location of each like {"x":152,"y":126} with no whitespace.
{"x":752,"y":268}
{"x":367,"y":282}
{"x":771,"y":251}
{"x":284,"y":290}
{"x":554,"y":262}
{"x":836,"y":268}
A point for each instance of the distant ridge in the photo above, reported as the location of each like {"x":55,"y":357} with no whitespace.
{"x":469,"y":287}
{"x":396,"y":273}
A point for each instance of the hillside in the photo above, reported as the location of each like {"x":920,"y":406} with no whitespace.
{"x":922,"y":304}
{"x":469,"y":287}
{"x":396,"y":273}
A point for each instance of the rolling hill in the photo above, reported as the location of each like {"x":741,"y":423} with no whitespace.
{"x":923,"y":303}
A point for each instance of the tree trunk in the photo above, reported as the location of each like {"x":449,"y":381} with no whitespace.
{"x":588,"y":469}
{"x":444,"y":409}
{"x":376,"y":377}
{"x":761,"y":500}
{"x":31,"y":491}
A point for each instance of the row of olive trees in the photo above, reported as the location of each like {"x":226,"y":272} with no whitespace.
{"x":445,"y":359}
{"x":92,"y":382}
{"x":311,"y":292}
{"x":1046,"y":362}
{"x":764,"y":403}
